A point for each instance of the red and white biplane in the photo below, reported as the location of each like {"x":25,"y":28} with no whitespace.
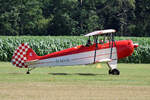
{"x":99,"y":50}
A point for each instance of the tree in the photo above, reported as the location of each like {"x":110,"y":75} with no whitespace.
{"x":114,"y":13}
{"x":74,"y":17}
{"x":19,"y":17}
{"x":9,"y":17}
{"x":30,"y":14}
{"x":142,"y":20}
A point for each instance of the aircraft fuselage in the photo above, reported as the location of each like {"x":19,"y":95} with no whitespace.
{"x":81,"y":54}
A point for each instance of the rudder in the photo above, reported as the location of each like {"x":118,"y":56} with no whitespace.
{"x":22,"y":54}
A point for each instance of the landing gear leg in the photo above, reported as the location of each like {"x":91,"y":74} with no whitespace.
{"x":114,"y":72}
{"x":28,"y":71}
{"x":110,"y":72}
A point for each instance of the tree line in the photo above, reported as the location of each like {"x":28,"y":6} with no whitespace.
{"x":74,"y":17}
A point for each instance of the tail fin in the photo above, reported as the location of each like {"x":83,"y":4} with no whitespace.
{"x":22,"y":54}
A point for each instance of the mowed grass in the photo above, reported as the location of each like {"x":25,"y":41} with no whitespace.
{"x":75,"y":83}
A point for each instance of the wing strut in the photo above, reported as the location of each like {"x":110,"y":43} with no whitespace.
{"x":95,"y":41}
{"x":111,"y":45}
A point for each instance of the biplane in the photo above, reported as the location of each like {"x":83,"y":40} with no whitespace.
{"x":96,"y":50}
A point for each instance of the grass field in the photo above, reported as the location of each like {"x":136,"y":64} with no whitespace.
{"x":75,"y":83}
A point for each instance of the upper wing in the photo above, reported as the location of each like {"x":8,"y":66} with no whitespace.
{"x":99,"y":32}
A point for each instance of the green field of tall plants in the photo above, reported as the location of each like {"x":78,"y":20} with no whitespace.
{"x":47,"y":44}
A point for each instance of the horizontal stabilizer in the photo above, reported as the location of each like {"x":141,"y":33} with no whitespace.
{"x":31,"y":62}
{"x":22,"y":55}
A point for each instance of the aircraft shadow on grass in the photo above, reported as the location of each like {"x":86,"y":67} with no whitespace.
{"x":83,"y":74}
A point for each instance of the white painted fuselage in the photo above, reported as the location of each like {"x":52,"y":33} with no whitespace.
{"x":82,"y":58}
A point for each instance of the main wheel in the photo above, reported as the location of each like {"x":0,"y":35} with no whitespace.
{"x":115,"y":72}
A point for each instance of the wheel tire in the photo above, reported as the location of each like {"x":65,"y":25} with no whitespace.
{"x":28,"y":72}
{"x":115,"y":72}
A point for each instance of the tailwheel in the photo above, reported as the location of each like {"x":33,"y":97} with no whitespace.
{"x":28,"y":71}
{"x":114,"y":72}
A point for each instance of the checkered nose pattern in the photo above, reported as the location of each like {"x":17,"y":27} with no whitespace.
{"x":19,"y":56}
